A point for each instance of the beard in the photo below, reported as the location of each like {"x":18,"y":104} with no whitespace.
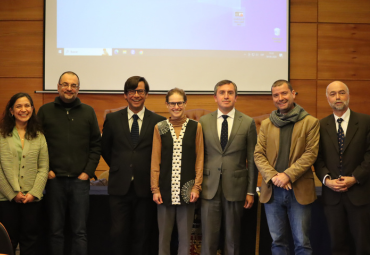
{"x":341,"y":107}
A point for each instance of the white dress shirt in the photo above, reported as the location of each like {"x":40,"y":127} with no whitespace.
{"x":344,"y":126}
{"x":230,"y":122}
{"x":139,"y":120}
{"x":345,"y":121}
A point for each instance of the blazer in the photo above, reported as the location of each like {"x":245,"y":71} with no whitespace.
{"x":303,"y":152}
{"x":356,"y":158}
{"x":124,"y":160}
{"x":237,"y":179}
{"x":34,"y":167}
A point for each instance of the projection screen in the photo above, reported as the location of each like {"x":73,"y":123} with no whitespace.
{"x":189,"y":44}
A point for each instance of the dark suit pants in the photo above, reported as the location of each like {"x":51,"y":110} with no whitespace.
{"x":132,"y":221}
{"x":22,"y":221}
{"x":348,"y":223}
{"x":214,"y":211}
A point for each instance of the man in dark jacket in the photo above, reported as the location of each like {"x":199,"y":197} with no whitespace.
{"x":127,"y":149}
{"x":73,"y":137}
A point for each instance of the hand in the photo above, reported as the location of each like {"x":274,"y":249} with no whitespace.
{"x":336,"y":185}
{"x":193,"y":197}
{"x":51,"y":175}
{"x":249,"y":200}
{"x":157,"y":197}
{"x":28,"y":198}
{"x":19,"y":197}
{"x":280,"y":180}
{"x":83,"y":176}
{"x":288,"y":186}
{"x":348,"y":181}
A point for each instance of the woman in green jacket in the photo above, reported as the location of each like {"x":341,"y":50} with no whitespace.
{"x":24,"y":166}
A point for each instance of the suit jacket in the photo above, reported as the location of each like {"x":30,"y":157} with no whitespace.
{"x":125,"y":160}
{"x":34,"y":171}
{"x":356,"y":158}
{"x":303,"y":152}
{"x":237,"y":178}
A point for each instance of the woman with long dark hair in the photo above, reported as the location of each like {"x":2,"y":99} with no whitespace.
{"x":24,"y":166}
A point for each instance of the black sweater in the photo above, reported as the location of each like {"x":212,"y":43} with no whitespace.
{"x":73,"y":137}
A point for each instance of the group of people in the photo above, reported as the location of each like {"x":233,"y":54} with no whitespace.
{"x":160,"y":167}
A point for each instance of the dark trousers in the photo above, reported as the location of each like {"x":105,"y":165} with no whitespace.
{"x":71,"y":193}
{"x":133,"y":224}
{"x":348,"y":224}
{"x":22,"y":221}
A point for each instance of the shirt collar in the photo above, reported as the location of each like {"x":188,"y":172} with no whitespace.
{"x":231,"y":114}
{"x":345,"y":116}
{"x":139,"y":114}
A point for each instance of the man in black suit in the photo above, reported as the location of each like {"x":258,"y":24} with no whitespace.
{"x":343,"y":165}
{"x":127,"y":149}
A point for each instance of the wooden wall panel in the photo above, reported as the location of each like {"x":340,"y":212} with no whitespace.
{"x":344,"y":51}
{"x":21,"y":44}
{"x":344,"y":11}
{"x":319,"y":53}
{"x":11,"y":86}
{"x":303,"y":50}
{"x":303,"y":10}
{"x":22,"y":10}
{"x":306,"y":96}
{"x":358,"y":91}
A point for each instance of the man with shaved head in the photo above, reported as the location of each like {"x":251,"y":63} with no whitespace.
{"x":343,"y":165}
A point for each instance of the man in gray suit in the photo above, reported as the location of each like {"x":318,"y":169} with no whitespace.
{"x":228,"y":184}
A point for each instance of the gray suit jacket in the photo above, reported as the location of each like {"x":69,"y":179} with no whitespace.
{"x":237,"y":178}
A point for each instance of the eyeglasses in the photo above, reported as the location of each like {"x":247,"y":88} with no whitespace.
{"x":66,"y":85}
{"x":173,"y":104}
{"x":140,"y":92}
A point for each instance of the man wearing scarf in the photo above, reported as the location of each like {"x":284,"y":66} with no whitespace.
{"x":287,"y":147}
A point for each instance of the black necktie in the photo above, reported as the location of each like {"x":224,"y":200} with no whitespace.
{"x":224,"y":132}
{"x":135,"y":130}
{"x":340,"y":139}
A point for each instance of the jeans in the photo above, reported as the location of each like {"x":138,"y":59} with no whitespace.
{"x":71,"y":193}
{"x":281,"y":210}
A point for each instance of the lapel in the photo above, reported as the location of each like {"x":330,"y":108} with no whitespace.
{"x":331,"y":129}
{"x":295,"y":134}
{"x":144,"y":125}
{"x":238,"y":119}
{"x":214,"y":131}
{"x":125,"y":126}
{"x":351,"y":129}
{"x":274,"y":133}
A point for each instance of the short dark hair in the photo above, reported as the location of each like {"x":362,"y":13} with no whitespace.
{"x":133,"y":82}
{"x":8,"y":121}
{"x":280,"y":83}
{"x":224,"y":82}
{"x":178,"y":91}
{"x":71,"y":73}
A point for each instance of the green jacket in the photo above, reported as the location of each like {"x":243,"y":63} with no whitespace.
{"x":28,"y":175}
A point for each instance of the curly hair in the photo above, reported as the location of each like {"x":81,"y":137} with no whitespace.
{"x":7,"y":122}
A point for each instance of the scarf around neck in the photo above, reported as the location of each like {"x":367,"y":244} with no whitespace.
{"x":295,"y":115}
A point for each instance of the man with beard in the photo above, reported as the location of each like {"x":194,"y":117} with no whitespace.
{"x":287,"y":147}
{"x":73,"y":137}
{"x":343,"y":165}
